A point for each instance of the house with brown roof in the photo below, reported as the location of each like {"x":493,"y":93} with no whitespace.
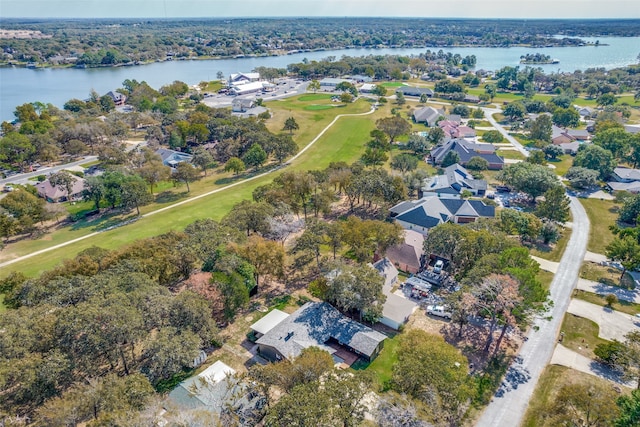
{"x":57,"y":194}
{"x":408,"y":256}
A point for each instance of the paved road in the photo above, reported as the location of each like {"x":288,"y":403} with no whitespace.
{"x":613,"y":324}
{"x":191,"y":199}
{"x":510,"y":403}
{"x":23,"y":178}
{"x":488,"y":112}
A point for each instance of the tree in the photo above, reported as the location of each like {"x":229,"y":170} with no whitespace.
{"x":202,"y":159}
{"x":290,"y":124}
{"x":606,"y":99}
{"x":249,"y":216}
{"x":565,"y":117}
{"x":629,"y":408}
{"x":630,"y":209}
{"x":134,"y":193}
{"x":491,"y":90}
{"x":314,"y":85}
{"x":393,"y":126}
{"x":379,"y":91}
{"x":596,"y":158}
{"x":357,"y":288}
{"x":626,"y":251}
{"x":555,"y":206}
{"x":580,"y":177}
{"x":631,"y":366}
{"x":433,"y":371}
{"x":404,"y":163}
{"x":552,"y":151}
{"x":477,"y":163}
{"x":346,"y":98}
{"x":311,"y":240}
{"x":373,"y":157}
{"x":366,"y":237}
{"x":255,"y":156}
{"x":435,"y":136}
{"x":616,"y":140}
{"x":267,"y":257}
{"x":450,"y":158}
{"x":418,"y":144}
{"x":515,"y":111}
{"x":493,"y":136}
{"x":529,"y":178}
{"x":284,"y":146}
{"x":169,"y":352}
{"x":234,"y":164}
{"x":154,"y":172}
{"x":400,"y":99}
{"x":63,"y":180}
{"x":588,"y":405}
{"x":185,"y":172}
{"x":93,"y":191}
{"x":15,"y":148}
{"x":22,"y":211}
{"x":541,"y":128}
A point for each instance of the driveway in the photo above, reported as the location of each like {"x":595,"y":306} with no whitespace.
{"x":511,"y":401}
{"x":613,"y":324}
{"x":489,"y":116}
{"x":630,"y":295}
{"x":546,"y":265}
{"x":565,"y":357}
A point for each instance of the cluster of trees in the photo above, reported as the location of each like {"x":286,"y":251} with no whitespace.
{"x":96,"y":42}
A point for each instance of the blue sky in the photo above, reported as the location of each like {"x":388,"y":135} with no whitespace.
{"x":236,"y":8}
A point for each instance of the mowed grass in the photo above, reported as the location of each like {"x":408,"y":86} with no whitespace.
{"x":580,"y":335}
{"x":622,"y":306}
{"x":344,"y":141}
{"x":555,"y":252}
{"x":607,"y":275}
{"x":2,"y":306}
{"x":551,"y":381}
{"x":382,"y":366}
{"x":317,"y":107}
{"x":602,"y":214}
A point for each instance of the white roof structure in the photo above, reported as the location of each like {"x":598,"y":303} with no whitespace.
{"x":367,"y":87}
{"x":248,"y":87}
{"x":206,"y":389}
{"x":268,"y":322}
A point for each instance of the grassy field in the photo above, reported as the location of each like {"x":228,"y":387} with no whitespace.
{"x":622,"y":306}
{"x":580,"y":335}
{"x":2,"y":306}
{"x":551,"y":380}
{"x":562,"y":164}
{"x":607,"y":275}
{"x":553,"y":253}
{"x":602,"y":214}
{"x":510,"y":154}
{"x":344,"y":141}
{"x":545,"y":277}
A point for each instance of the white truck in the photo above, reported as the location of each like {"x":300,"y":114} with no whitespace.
{"x":439,"y":310}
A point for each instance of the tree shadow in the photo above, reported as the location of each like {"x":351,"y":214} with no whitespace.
{"x":101,"y":221}
{"x":229,"y":179}
{"x":170,"y":197}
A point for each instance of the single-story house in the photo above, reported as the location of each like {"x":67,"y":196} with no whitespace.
{"x":216,"y":389}
{"x":247,"y":88}
{"x":562,"y":136}
{"x":171,"y":158}
{"x":409,"y":255}
{"x":427,"y":115}
{"x":318,"y":324}
{"x":625,"y":179}
{"x":633,"y":129}
{"x":361,"y":78}
{"x":57,"y":194}
{"x":453,"y":129}
{"x":268,"y":322}
{"x":570,"y":147}
{"x":455,"y":180}
{"x":415,"y":91}
{"x":466,"y":151}
{"x":240,"y":105}
{"x":396,"y":309}
{"x":367,"y":88}
{"x":251,"y":112}
{"x":474,"y":99}
{"x":330,"y":82}
{"x":430,"y":211}
{"x":585,"y":111}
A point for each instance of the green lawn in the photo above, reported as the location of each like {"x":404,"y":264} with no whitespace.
{"x":562,"y":164}
{"x":622,"y":306}
{"x":510,"y":154}
{"x":382,"y":366}
{"x":315,"y":97}
{"x":602,"y":214}
{"x":580,"y":334}
{"x":393,"y":84}
{"x":2,"y":306}
{"x":344,"y":141}
{"x":555,"y":252}
{"x":319,"y":107}
{"x":607,"y":275}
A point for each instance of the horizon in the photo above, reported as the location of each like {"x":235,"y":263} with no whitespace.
{"x":454,"y":9}
{"x":225,"y":18}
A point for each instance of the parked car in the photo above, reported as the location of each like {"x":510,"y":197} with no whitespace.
{"x":503,"y":189}
{"x":437,"y":268}
{"x":438,"y":310}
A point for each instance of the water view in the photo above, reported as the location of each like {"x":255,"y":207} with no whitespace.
{"x":56,"y":86}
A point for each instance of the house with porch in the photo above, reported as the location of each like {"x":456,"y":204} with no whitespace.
{"x":466,"y":150}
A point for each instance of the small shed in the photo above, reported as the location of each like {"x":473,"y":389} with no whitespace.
{"x":268,"y":322}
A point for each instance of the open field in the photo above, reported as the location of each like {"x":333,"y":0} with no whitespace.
{"x":602,"y":214}
{"x":344,"y":141}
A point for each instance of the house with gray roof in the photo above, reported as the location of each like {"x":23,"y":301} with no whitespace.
{"x":396,"y":309}
{"x":625,"y":179}
{"x":415,"y":91}
{"x":330,"y":82}
{"x":454,"y":181}
{"x":427,"y":115}
{"x":466,"y":151}
{"x":171,"y":158}
{"x":432,"y":210}
{"x":318,"y":324}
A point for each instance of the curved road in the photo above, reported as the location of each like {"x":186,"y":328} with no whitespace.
{"x":508,"y":407}
{"x":191,"y":199}
{"x":489,"y":115}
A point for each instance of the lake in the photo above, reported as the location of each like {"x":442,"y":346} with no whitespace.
{"x":56,"y":86}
